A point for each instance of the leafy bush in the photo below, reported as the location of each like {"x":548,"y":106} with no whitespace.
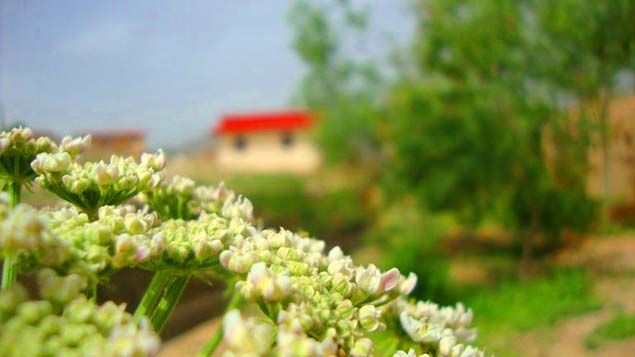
{"x":336,"y":214}
{"x":411,"y":241}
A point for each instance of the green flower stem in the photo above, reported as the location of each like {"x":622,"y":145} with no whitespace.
{"x":9,"y":271}
{"x":91,"y":294}
{"x":173,"y":291}
{"x":92,"y":214}
{"x":213,"y":343}
{"x":153,"y":294}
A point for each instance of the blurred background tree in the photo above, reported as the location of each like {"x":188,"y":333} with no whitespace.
{"x":481,"y":108}
{"x":342,"y":86}
{"x":477,"y":122}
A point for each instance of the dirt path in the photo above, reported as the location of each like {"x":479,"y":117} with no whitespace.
{"x":613,"y":263}
{"x":192,"y":342}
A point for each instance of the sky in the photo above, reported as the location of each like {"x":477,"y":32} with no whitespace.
{"x":170,"y":68}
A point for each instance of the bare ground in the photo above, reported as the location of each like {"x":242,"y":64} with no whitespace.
{"x":613,"y":262}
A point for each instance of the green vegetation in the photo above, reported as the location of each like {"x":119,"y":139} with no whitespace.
{"x":620,"y":327}
{"x":522,"y":306}
{"x":398,"y":233}
{"x":337,"y":214}
{"x":517,"y":306}
{"x":475,"y":119}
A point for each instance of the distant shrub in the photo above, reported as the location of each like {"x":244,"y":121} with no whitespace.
{"x":411,"y":241}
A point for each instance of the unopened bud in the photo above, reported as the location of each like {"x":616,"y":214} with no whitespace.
{"x":363,"y":347}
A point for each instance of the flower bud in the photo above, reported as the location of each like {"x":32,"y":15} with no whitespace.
{"x":408,"y":285}
{"x":362,"y":347}
{"x":4,"y":144}
{"x":127,"y":182}
{"x":44,"y":144}
{"x":135,"y":225}
{"x":33,"y":311}
{"x":183,"y":185}
{"x":390,"y":279}
{"x":369,"y":317}
{"x":51,"y":162}
{"x":368,"y":279}
{"x":60,"y":289}
{"x":335,"y":254}
{"x":76,"y":146}
{"x":154,"y":161}
{"x":79,"y":311}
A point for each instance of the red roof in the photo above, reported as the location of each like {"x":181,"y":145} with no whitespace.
{"x":258,"y":122}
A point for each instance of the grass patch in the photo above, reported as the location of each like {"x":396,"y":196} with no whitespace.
{"x":515,"y":306}
{"x":622,"y":326}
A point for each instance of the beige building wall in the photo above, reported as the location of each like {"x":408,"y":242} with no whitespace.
{"x":103,"y":147}
{"x":265,"y":152}
{"x":622,"y":154}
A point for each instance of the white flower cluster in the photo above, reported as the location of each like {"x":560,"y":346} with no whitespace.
{"x":458,"y":351}
{"x":18,"y":148}
{"x":121,"y":236}
{"x":446,"y":328}
{"x":323,"y":304}
{"x":315,"y":303}
{"x":195,"y":245}
{"x":182,"y":198}
{"x":316,"y":300}
{"x":22,"y":140}
{"x":24,"y":232}
{"x":173,"y":199}
{"x":94,"y":185}
{"x":258,"y":337}
{"x":65,"y":323}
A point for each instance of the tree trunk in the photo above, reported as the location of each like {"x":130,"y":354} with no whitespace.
{"x":606,"y":154}
{"x":527,"y":259}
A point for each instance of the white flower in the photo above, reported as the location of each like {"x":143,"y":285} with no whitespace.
{"x":363,"y":347}
{"x":246,"y":337}
{"x":75,"y":146}
{"x":154,"y":161}
{"x":408,"y":285}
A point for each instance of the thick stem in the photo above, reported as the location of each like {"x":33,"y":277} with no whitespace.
{"x":606,"y":156}
{"x":9,"y":271}
{"x":213,"y":343}
{"x":91,"y":294}
{"x":15,"y":190}
{"x":173,"y":290}
{"x":153,"y":294}
{"x":526,"y":263}
{"x":92,"y":214}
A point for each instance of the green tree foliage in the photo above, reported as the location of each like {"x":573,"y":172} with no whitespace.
{"x":478,"y":121}
{"x":481,"y":109}
{"x":340,"y":86}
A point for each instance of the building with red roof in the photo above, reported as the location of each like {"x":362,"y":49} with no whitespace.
{"x":267,"y":142}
